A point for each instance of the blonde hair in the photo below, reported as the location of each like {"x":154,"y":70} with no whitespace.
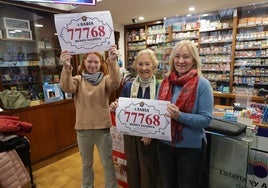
{"x":103,"y":67}
{"x":152,"y":57}
{"x":193,"y":51}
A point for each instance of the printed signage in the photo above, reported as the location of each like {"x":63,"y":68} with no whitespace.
{"x":143,"y":117}
{"x":85,"y":32}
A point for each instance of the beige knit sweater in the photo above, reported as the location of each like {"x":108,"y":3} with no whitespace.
{"x":91,"y":101}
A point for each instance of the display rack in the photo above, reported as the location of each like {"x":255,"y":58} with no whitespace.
{"x":233,"y":45}
{"x":215,"y":46}
{"x":251,"y":51}
{"x":151,"y":35}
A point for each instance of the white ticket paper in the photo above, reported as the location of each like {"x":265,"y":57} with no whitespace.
{"x":143,"y":117}
{"x":85,"y":32}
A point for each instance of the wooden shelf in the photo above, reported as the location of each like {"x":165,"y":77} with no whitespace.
{"x":220,"y":39}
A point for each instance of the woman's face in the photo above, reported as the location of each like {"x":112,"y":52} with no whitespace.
{"x":183,"y":61}
{"x":144,"y":66}
{"x":92,"y":63}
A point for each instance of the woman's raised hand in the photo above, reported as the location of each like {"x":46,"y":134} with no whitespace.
{"x":65,"y":58}
{"x":112,"y":54}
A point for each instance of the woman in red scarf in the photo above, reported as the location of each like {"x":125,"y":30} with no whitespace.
{"x":190,"y":111}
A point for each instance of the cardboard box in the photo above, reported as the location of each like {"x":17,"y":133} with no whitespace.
{"x":251,"y":21}
{"x":242,"y":22}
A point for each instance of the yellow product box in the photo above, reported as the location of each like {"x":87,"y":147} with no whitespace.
{"x":242,"y":22}
{"x":259,"y":20}
{"x":251,"y":21}
{"x":265,"y":20}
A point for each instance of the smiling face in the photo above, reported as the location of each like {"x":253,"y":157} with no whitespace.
{"x":183,"y":61}
{"x":144,"y":66}
{"x":92,"y":63}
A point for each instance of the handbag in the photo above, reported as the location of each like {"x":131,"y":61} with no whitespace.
{"x":15,"y":99}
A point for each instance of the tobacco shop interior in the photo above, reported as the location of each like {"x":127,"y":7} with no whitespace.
{"x":232,"y":39}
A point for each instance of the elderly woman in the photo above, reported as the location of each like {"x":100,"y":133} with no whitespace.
{"x":141,"y":155}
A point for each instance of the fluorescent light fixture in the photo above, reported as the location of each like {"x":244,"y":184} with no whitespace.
{"x":38,"y":25}
{"x":15,"y":31}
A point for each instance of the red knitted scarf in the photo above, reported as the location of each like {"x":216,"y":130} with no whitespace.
{"x":185,"y":100}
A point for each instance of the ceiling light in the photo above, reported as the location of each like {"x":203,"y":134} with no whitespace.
{"x":191,"y":9}
{"x":141,"y":18}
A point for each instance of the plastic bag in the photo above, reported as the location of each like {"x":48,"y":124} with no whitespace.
{"x":14,"y":99}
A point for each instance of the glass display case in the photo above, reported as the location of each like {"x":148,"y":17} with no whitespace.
{"x":29,"y":50}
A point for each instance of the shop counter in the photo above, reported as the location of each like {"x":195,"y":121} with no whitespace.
{"x":53,"y":127}
{"x":238,"y":161}
{"x":228,"y":159}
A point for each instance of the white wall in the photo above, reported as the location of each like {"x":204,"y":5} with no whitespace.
{"x":120,"y":28}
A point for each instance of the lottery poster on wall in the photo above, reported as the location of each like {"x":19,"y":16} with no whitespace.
{"x":143,"y":117}
{"x":84,"y":32}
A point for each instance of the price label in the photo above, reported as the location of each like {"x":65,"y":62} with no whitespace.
{"x":143,"y":117}
{"x":85,"y":32}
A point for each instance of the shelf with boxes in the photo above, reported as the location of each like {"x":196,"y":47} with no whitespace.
{"x":151,"y":35}
{"x":228,"y":40}
{"x":158,"y":39}
{"x":29,"y":50}
{"x":135,"y":40}
{"x":251,"y":51}
{"x":184,"y":28}
{"x":215,"y":46}
{"x":162,"y":52}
